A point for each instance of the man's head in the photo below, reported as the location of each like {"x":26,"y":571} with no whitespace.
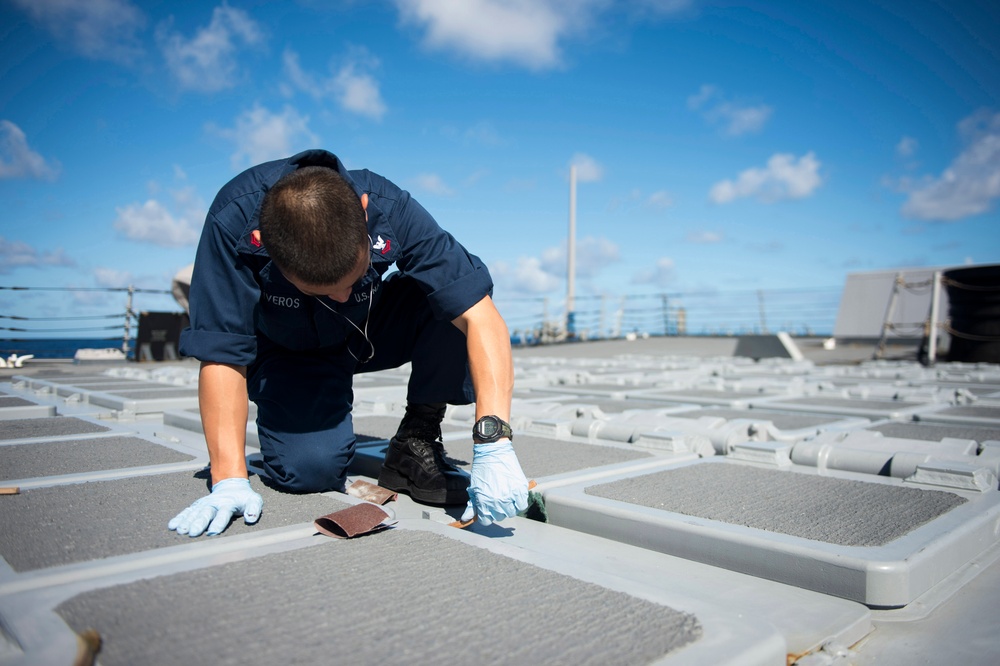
{"x":315,"y":227}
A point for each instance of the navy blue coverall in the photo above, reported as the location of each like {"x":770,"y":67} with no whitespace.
{"x":301,"y":354}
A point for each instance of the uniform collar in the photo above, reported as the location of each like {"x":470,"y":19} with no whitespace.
{"x":246,"y":243}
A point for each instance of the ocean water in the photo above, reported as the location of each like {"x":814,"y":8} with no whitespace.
{"x":56,"y":347}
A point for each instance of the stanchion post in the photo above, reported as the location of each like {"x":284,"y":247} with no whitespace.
{"x":128,"y":321}
{"x":932,"y":334}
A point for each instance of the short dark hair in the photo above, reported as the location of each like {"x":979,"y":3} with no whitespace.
{"x":313,"y":226}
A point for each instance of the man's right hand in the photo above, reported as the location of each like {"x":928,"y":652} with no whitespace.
{"x":229,"y":497}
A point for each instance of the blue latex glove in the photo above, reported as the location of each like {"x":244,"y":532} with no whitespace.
{"x":229,"y":497}
{"x":498,"y":488}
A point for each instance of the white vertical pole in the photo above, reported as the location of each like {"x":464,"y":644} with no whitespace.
{"x":128,"y":322}
{"x":932,"y":334}
{"x":618,"y":318}
{"x":571,"y":251}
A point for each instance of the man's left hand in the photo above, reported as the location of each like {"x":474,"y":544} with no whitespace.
{"x":498,"y":488}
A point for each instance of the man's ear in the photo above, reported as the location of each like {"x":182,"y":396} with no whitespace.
{"x":364,"y":201}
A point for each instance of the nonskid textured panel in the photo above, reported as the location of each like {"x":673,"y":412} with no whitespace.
{"x":933,"y":432}
{"x":8,"y":401}
{"x":158,"y":393}
{"x":790,"y":525}
{"x":55,"y":426}
{"x":783,"y":420}
{"x":44,"y":527}
{"x":22,"y":461}
{"x":850,"y":403}
{"x":838,"y":511}
{"x":396,"y":597}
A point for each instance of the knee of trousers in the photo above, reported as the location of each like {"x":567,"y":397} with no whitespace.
{"x":307,"y":467}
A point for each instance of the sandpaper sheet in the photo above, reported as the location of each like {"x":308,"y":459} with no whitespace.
{"x":356,"y":520}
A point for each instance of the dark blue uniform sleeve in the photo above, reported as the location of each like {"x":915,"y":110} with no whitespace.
{"x":453,"y":279}
{"x":224,"y":294}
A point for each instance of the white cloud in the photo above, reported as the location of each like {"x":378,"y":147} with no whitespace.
{"x":733,"y":118}
{"x":18,"y":160}
{"x":483,"y":133}
{"x":656,"y":202}
{"x":475,"y":176}
{"x":17,"y":254}
{"x":592,"y":255}
{"x":152,"y":222}
{"x":907,"y":146}
{"x":737,"y":120}
{"x":433,"y":184}
{"x":660,"y":200}
{"x":627,"y":200}
{"x":260,"y":135}
{"x":660,"y":275}
{"x":111,"y":278}
{"x":527,"y":276}
{"x":971,"y":182}
{"x":522,"y":32}
{"x":299,"y":79}
{"x":102,"y":29}
{"x":95,"y":298}
{"x":191,"y":205}
{"x":706,"y":93}
{"x":358,"y":92}
{"x":588,"y":169}
{"x":704,"y":237}
{"x":208,"y":61}
{"x":784,"y":177}
{"x":526,"y":33}
{"x":544,"y":274}
{"x":352,"y":85}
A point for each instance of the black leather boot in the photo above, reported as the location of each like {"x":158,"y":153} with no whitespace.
{"x":415,"y":460}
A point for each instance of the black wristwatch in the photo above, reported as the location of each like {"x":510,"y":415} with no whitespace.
{"x":490,"y":429}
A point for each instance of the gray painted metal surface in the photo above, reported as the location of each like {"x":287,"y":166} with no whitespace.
{"x":387,"y":587}
{"x":869,"y":540}
{"x":866,"y":297}
{"x":702,"y":508}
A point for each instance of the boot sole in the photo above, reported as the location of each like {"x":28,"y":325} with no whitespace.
{"x":396,"y":482}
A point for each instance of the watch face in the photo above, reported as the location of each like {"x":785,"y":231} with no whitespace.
{"x":488,"y":427}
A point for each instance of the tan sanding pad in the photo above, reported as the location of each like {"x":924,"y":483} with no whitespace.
{"x":369,"y":492}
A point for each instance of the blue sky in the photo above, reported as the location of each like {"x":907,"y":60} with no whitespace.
{"x":719,"y":145}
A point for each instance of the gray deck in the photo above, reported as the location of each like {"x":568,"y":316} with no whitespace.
{"x":700,"y":508}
